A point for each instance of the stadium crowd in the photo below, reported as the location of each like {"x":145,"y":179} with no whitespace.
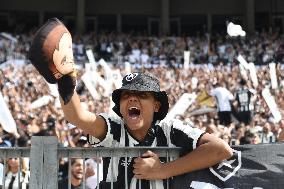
{"x":212,"y":61}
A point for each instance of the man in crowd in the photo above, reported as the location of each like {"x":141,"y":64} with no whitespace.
{"x":244,"y":98}
{"x":77,"y":173}
{"x":224,"y":100}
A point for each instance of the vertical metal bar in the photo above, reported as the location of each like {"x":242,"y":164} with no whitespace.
{"x":69,"y":171}
{"x":125,"y":168}
{"x":167,"y":160}
{"x":37,"y":159}
{"x":112,"y":173}
{"x":98,"y":172}
{"x":19,"y":171}
{"x":139,"y":155}
{"x":4,"y":168}
{"x":50,"y":162}
{"x":84,"y":173}
{"x":98,"y":169}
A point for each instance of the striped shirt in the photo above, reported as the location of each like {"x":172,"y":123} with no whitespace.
{"x":167,"y":133}
{"x":243,"y":96}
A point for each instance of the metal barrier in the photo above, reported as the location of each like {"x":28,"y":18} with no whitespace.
{"x":45,"y":153}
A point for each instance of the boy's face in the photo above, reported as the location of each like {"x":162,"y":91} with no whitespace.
{"x":137,"y":109}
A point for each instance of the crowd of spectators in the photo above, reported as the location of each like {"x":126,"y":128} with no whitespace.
{"x":211,"y":62}
{"x":212,"y":58}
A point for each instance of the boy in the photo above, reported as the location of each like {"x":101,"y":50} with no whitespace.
{"x":140,"y":105}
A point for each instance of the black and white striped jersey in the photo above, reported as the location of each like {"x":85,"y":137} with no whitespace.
{"x":243,"y":96}
{"x":171,"y":133}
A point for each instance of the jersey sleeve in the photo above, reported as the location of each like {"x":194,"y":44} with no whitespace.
{"x":113,"y":132}
{"x":185,"y":136}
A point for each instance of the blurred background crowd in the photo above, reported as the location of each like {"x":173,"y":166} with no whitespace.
{"x":212,"y":62}
{"x":213,"y":67}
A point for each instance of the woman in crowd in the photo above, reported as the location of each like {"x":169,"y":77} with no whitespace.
{"x":16,"y":174}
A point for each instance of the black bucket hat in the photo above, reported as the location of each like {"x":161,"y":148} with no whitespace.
{"x":142,"y":82}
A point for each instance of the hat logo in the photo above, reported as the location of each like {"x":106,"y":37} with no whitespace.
{"x":130,"y":76}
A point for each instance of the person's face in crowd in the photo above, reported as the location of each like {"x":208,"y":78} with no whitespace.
{"x":240,"y":133}
{"x":138,"y":108}
{"x":77,"y":169}
{"x":266,"y":127}
{"x":281,"y":124}
{"x":226,"y":138}
{"x":13,"y":162}
{"x":255,"y":139}
{"x":63,"y":55}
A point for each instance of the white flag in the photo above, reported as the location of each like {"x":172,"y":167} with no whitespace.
{"x":235,"y":30}
{"x":243,"y":61}
{"x":6,"y":120}
{"x":186,"y":57}
{"x":253,"y":76}
{"x":90,"y":85}
{"x":90,"y":56}
{"x":273,"y":77}
{"x":243,"y":71}
{"x":181,"y":105}
{"x":42,"y":101}
{"x":271,"y":104}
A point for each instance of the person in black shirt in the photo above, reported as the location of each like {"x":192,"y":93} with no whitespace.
{"x":243,"y":97}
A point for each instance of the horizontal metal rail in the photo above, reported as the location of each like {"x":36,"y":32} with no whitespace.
{"x":116,"y":152}
{"x":15,"y":152}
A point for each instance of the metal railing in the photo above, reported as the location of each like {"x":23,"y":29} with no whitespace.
{"x":45,"y":152}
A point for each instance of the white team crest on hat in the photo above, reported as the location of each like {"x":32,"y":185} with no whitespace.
{"x":227,"y":168}
{"x":131,"y":76}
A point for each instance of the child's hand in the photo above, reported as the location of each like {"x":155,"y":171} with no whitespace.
{"x":148,"y":167}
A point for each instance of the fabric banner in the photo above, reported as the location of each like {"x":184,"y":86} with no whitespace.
{"x":90,"y":85}
{"x":270,"y":101}
{"x":90,"y":56}
{"x":253,"y":76}
{"x":251,"y":167}
{"x":41,"y":101}
{"x":181,"y":105}
{"x":243,"y":62}
{"x":186,"y":57}
{"x":6,"y":119}
{"x":273,"y":76}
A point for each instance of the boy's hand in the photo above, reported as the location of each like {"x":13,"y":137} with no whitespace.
{"x":148,"y":167}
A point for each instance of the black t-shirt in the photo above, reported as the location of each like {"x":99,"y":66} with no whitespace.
{"x":243,"y":96}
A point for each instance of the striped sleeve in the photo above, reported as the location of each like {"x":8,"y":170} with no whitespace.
{"x":184,"y":136}
{"x":113,"y":132}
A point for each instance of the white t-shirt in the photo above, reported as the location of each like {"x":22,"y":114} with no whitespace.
{"x":223,"y":97}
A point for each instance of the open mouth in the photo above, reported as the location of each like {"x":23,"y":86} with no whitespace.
{"x":134,"y":112}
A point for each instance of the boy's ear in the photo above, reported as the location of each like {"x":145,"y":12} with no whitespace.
{"x":157,"y":106}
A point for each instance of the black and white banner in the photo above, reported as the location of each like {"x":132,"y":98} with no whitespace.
{"x":252,"y":167}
